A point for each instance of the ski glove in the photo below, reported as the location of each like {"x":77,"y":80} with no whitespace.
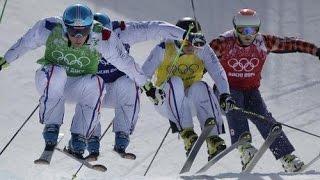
{"x":196,"y":39}
{"x":226,"y":102}
{"x":155,"y":94}
{"x":318,"y":53}
{"x":3,"y":63}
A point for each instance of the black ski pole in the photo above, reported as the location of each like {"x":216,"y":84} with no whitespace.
{"x":155,"y":154}
{"x":264,"y":118}
{"x":105,"y":131}
{"x":4,"y":7}
{"x":194,"y":15}
{"x":19,"y":129}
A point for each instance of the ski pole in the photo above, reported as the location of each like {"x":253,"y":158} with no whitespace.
{"x":155,"y":154}
{"x":4,"y":6}
{"x":194,"y":15}
{"x":19,"y":129}
{"x":264,"y":118}
{"x":105,"y":131}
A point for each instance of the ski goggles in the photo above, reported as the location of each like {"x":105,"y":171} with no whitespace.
{"x":78,"y":31}
{"x":188,"y":43}
{"x":247,"y":31}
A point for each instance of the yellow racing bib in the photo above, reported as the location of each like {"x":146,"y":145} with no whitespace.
{"x":188,"y":67}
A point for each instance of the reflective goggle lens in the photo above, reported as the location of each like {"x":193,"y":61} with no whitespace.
{"x":247,"y":31}
{"x":78,"y":31}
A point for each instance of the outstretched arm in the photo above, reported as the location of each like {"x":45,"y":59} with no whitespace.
{"x":154,"y":60}
{"x":138,"y":31}
{"x":35,"y":37}
{"x":277,"y":44}
{"x":114,"y":52}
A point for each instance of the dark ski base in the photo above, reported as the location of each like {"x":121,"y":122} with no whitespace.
{"x":97,"y":167}
{"x":91,"y":158}
{"x":274,"y":133}
{"x":46,"y":156}
{"x":209,"y":125}
{"x":246,"y":137}
{"x":126,"y":155}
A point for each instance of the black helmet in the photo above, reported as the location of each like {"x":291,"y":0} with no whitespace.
{"x":184,"y":24}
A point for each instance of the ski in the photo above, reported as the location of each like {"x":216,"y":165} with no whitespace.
{"x":209,"y":125}
{"x":311,"y":162}
{"x":246,"y":137}
{"x":126,"y":155}
{"x":97,"y":167}
{"x":274,"y":133}
{"x":46,"y":155}
{"x":91,"y":158}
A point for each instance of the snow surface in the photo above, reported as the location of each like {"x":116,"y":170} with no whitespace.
{"x":290,"y":87}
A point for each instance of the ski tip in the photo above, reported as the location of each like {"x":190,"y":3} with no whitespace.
{"x":181,"y":172}
{"x":99,"y":167}
{"x":201,"y":171}
{"x":41,"y":161}
{"x":184,"y":169}
{"x":129,"y":156}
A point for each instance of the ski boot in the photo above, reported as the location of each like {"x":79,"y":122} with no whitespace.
{"x":93,"y":148}
{"x":50,"y":135}
{"x":215,"y":145}
{"x":121,"y":143}
{"x":77,"y":145}
{"x":189,"y":138}
{"x":291,"y":163}
{"x":247,"y":151}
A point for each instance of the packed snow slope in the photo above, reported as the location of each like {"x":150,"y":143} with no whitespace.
{"x":290,"y":87}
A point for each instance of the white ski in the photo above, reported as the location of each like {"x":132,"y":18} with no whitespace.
{"x":46,"y":156}
{"x":273,"y":134}
{"x":243,"y":138}
{"x":209,"y":125}
{"x":97,"y":167}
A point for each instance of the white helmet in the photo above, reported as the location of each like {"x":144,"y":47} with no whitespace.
{"x":246,"y":24}
{"x":246,"y":17}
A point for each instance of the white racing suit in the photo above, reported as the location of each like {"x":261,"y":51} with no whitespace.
{"x":185,"y":100}
{"x":68,"y":74}
{"x":121,"y":92}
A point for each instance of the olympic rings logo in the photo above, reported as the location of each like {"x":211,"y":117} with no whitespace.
{"x":244,"y":64}
{"x":183,"y":68}
{"x":71,"y":59}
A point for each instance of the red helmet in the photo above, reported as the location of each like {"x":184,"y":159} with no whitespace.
{"x":245,"y":18}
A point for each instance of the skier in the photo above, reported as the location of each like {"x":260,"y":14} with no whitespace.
{"x":122,"y":94}
{"x":74,"y":45}
{"x":242,"y":52}
{"x":185,"y":90}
